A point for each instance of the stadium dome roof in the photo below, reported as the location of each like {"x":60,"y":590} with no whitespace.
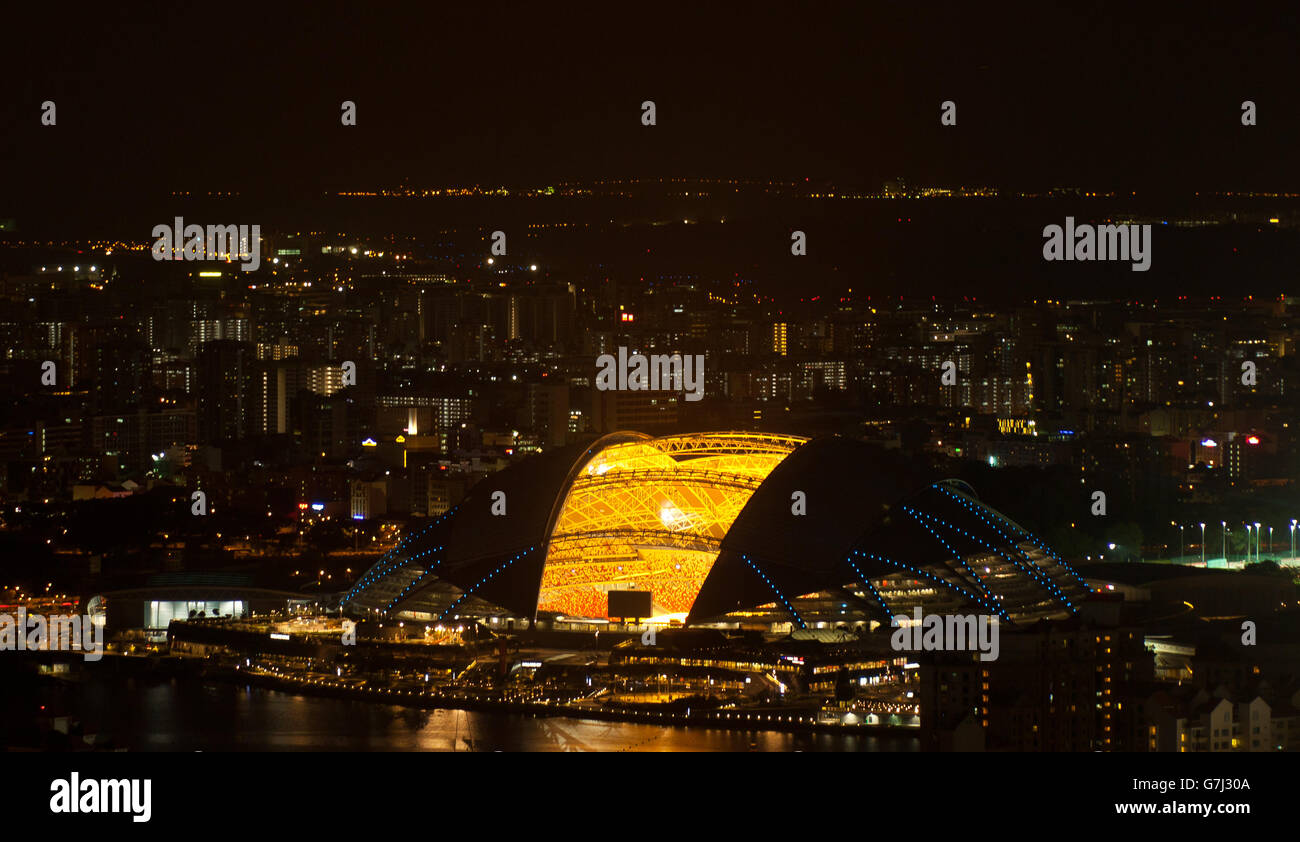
{"x":719,"y":527}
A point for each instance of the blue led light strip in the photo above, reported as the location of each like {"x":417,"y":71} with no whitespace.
{"x":376,"y":575}
{"x":775,"y":590}
{"x":481,"y":582}
{"x":943,"y":582}
{"x":414,"y":582}
{"x":971,"y":504}
{"x":957,"y":556}
{"x":1046,"y":583}
{"x":380,"y":570}
{"x":864,"y":580}
{"x":982,"y":511}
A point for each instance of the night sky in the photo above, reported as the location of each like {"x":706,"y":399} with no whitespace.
{"x":1123,"y":96}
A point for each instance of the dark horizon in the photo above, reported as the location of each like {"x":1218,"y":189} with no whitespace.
{"x":1121,"y":98}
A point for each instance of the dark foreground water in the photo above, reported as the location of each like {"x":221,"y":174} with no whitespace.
{"x":188,"y":715}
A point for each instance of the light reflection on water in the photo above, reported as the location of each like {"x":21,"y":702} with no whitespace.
{"x":184,"y":715}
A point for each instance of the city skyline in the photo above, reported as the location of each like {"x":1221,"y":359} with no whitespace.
{"x":845,"y":378}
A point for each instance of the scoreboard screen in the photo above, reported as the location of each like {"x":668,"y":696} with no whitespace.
{"x":634,"y":604}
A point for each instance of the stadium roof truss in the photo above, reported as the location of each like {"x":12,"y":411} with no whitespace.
{"x":652,"y":515}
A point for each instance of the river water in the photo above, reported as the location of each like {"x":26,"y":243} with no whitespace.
{"x":185,"y":714}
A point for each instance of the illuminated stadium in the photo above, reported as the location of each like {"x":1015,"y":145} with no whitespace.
{"x":721,"y":529}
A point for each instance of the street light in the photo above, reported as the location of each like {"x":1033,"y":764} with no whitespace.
{"x":1180,"y":542}
{"x":1202,"y":544}
{"x":1224,"y":523}
{"x":1293,"y":538}
{"x":1258,"y":532}
{"x":1247,"y":543}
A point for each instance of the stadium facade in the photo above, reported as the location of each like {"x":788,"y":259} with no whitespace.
{"x":727,"y":528}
